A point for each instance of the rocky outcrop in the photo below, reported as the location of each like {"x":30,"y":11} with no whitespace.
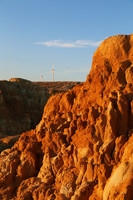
{"x":7,"y":141}
{"x":82,"y":148}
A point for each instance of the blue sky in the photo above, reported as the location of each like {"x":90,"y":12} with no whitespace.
{"x":34,"y":34}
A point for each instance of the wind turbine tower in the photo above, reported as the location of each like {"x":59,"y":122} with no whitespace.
{"x":53,"y":72}
{"x":41,"y":77}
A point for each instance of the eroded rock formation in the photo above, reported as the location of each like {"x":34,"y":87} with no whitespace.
{"x":82,"y":148}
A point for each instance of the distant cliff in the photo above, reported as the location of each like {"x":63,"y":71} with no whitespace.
{"x":21,"y":105}
{"x":57,"y":86}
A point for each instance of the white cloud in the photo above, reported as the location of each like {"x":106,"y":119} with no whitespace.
{"x":75,"y":44}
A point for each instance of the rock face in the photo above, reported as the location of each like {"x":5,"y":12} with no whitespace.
{"x":82,"y":148}
{"x":21,"y":105}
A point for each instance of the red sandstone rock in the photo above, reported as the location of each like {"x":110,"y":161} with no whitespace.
{"x":82,"y":149}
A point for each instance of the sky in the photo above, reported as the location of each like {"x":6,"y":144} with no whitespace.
{"x":36,"y":34}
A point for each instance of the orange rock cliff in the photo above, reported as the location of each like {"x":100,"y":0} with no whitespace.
{"x":82,"y":149}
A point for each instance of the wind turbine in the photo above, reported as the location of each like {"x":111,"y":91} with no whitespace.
{"x":53,"y":72}
{"x":41,"y":77}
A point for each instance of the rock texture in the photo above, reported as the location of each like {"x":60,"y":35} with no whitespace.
{"x":7,"y":141}
{"x":21,"y":105}
{"x":82,"y":148}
